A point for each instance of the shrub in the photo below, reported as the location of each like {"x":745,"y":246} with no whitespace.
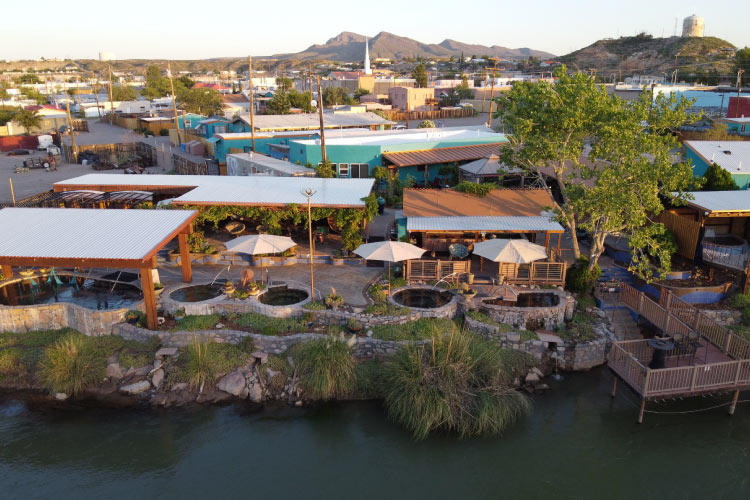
{"x":368,"y":375}
{"x":579,"y":279}
{"x":333,"y":299}
{"x":457,"y":384}
{"x":482,"y":189}
{"x":205,"y":362}
{"x":71,"y":365}
{"x":421,"y":329}
{"x":579,"y":329}
{"x":377,"y":293}
{"x":314,"y":306}
{"x":426,"y":124}
{"x":325,"y":367}
{"x":387,"y":309}
{"x":11,"y":366}
{"x":266,"y":325}
{"x":193,"y":322}
{"x":164,"y":132}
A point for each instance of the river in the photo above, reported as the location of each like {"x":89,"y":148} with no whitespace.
{"x":579,"y":443}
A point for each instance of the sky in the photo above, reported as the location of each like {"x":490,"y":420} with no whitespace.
{"x":200,"y":29}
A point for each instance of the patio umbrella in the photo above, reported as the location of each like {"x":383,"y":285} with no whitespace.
{"x":514,"y":251}
{"x":258,"y":244}
{"x":389,"y":251}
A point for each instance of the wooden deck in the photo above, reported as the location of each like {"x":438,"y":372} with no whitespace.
{"x":721,"y":363}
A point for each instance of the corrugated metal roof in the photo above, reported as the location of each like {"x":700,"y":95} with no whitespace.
{"x":305,"y":121}
{"x":80,"y":233}
{"x":250,"y":190}
{"x":721,"y":201}
{"x":497,"y":203}
{"x":441,"y":155}
{"x":733,"y":156}
{"x":531,"y":224}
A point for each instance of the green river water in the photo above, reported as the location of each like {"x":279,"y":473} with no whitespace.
{"x":579,"y":443}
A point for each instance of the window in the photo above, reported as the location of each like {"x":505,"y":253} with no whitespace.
{"x":220,"y":129}
{"x":188,"y":123}
{"x":343,"y":170}
{"x":359,"y":170}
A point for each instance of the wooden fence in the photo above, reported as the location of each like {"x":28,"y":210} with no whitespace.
{"x":399,"y":116}
{"x":80,"y":125}
{"x":185,"y":166}
{"x":550,"y":273}
{"x":433,"y":270}
{"x":686,"y":232}
{"x":113,"y":152}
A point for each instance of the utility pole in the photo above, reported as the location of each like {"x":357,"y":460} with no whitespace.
{"x":111,"y":102}
{"x":252,"y":101}
{"x":72,"y":133}
{"x":309,"y":80}
{"x":309,"y":192}
{"x":494,"y":69}
{"x":322,"y":126}
{"x":174,"y":103}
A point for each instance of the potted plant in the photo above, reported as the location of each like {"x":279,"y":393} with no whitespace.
{"x":229,"y":288}
{"x":354,"y":326}
{"x":467,"y":292}
{"x":158,"y":288}
{"x":253,"y":288}
{"x":133,"y":317}
{"x":333,"y":300}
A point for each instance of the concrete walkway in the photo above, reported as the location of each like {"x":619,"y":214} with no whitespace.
{"x":349,"y":281}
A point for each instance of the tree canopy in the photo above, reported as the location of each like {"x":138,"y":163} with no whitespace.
{"x":123,"y":93}
{"x":742,"y":59}
{"x":334,"y":96}
{"x":27,"y":119}
{"x":420,"y":75}
{"x":718,"y":179}
{"x":458,"y":93}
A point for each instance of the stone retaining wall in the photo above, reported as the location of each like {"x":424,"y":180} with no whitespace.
{"x":580,"y":356}
{"x":221,"y":305}
{"x":547,"y":317}
{"x":364,"y":347}
{"x":60,"y":315}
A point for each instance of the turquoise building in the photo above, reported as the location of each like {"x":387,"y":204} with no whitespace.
{"x":739,"y":126}
{"x":732,"y":156}
{"x":419,"y":153}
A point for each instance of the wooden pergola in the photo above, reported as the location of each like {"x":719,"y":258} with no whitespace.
{"x":90,"y":238}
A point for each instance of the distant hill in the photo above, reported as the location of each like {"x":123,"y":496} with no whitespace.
{"x":350,"y":47}
{"x":645,"y":54}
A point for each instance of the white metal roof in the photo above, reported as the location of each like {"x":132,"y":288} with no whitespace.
{"x":478,"y":223}
{"x":86,"y":233}
{"x":721,"y":201}
{"x":250,"y":190}
{"x":733,"y":156}
{"x":393,"y":137}
{"x":261,"y":160}
{"x":304,"y":121}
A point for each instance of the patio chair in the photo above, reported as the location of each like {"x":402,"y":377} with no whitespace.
{"x":681,"y":345}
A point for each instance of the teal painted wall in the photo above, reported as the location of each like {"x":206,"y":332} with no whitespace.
{"x":222,"y":146}
{"x":700,"y":167}
{"x":739,"y":128}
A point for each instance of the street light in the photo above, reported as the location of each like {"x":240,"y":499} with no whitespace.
{"x":309,"y":193}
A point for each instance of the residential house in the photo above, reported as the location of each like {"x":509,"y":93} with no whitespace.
{"x":412,"y":98}
{"x":732,"y":156}
{"x":258,"y":164}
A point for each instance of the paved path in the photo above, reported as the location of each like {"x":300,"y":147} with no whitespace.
{"x":349,"y":281}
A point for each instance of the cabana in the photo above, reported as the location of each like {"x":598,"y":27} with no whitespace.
{"x":89,"y":238}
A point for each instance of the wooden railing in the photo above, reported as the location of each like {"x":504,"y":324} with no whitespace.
{"x":552,"y":273}
{"x":433,"y":270}
{"x":733,"y":256}
{"x":629,"y":360}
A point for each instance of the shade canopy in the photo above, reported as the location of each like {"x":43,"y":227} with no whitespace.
{"x":515,"y":251}
{"x":389,"y":251}
{"x":257,"y":244}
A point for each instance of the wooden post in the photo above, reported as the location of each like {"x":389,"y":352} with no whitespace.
{"x":12,"y":192}
{"x":252,"y":102}
{"x":643,"y":409}
{"x":734,"y":402}
{"x":174,"y":103}
{"x":322,"y":126}
{"x":614,"y":387}
{"x":7,"y":271}
{"x":72,"y":133}
{"x":546,"y":242}
{"x":187,"y":268}
{"x":111,"y":103}
{"x":149,"y":298}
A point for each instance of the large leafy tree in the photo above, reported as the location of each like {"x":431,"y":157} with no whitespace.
{"x":123,"y":93}
{"x":458,"y":93}
{"x":420,"y":75}
{"x":28,"y":119}
{"x":742,"y":59}
{"x":333,"y":96}
{"x":200,"y":101}
{"x":635,"y":169}
{"x":32,"y":93}
{"x":551,"y":125}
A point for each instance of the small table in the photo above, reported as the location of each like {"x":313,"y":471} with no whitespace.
{"x":661,"y":346}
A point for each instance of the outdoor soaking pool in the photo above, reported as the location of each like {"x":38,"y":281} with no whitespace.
{"x":197,"y":293}
{"x":89,"y":293}
{"x":282,"y":296}
{"x":422,"y":298}
{"x":528,"y":299}
{"x":532,"y":309}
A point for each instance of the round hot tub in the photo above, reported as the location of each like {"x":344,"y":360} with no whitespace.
{"x":197,"y":293}
{"x":422,"y":298}
{"x":533,"y":309}
{"x":528,"y":299}
{"x":283,"y":296}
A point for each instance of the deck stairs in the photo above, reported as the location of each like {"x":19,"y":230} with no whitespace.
{"x":622,"y":319}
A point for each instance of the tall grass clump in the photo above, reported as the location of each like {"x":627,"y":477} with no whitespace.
{"x":206,"y":362}
{"x":458,"y":383}
{"x":326,"y":367}
{"x":71,"y":365}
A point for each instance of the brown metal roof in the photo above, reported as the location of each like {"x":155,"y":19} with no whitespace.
{"x":499,"y":202}
{"x":441,"y":155}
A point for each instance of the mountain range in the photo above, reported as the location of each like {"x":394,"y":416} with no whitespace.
{"x":350,"y":47}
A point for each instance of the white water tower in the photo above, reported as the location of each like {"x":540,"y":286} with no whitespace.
{"x":692,"y":27}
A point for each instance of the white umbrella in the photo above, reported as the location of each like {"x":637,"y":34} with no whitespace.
{"x":389,"y":251}
{"x":514,"y":251}
{"x":257,"y":244}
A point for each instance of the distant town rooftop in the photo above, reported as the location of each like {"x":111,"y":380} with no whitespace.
{"x":394,"y":137}
{"x":733,"y":156}
{"x":232,"y":190}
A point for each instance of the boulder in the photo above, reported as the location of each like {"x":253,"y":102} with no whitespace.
{"x":61,"y":396}
{"x":179,"y":387}
{"x":114,"y":370}
{"x":234,"y":383}
{"x":166,"y":351}
{"x":255,"y":393}
{"x":538,"y":372}
{"x":136,"y":388}
{"x":143,"y":371}
{"x":157,"y":378}
{"x":157,"y":364}
{"x":531,"y":378}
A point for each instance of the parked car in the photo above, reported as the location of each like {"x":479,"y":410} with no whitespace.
{"x":19,"y":152}
{"x":399,"y":127}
